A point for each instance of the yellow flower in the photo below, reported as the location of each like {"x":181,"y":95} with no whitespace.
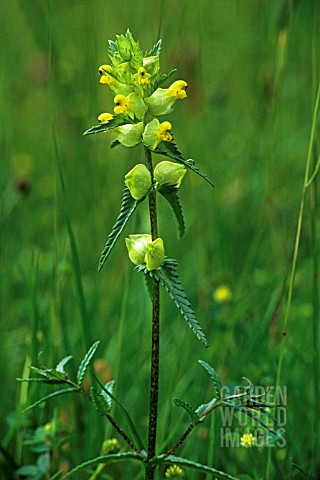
{"x":142,"y":76}
{"x":174,"y":472}
{"x":222,"y":294}
{"x":114,"y":84}
{"x":122,"y":104}
{"x":179,"y":88}
{"x":247,"y":440}
{"x":105,"y":117}
{"x":164,"y":131}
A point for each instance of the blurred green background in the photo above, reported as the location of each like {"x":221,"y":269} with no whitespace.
{"x":252,"y":68}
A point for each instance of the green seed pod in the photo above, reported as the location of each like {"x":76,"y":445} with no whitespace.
{"x":150,"y":134}
{"x":169,"y":173}
{"x":154,"y":257}
{"x":129,"y":135}
{"x":138,"y":180}
{"x":137,"y":247}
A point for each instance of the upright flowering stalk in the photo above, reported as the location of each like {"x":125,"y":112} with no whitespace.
{"x":140,"y":117}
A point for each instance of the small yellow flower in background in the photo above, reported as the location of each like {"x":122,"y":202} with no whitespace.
{"x":122,"y":104}
{"x":110,"y":446}
{"x":222,"y":294}
{"x":174,"y":472}
{"x":164,"y":131}
{"x":180,"y":88}
{"x":247,"y":440}
{"x":105,"y":117}
{"x":48,"y":427}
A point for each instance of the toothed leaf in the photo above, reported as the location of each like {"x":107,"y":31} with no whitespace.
{"x":170,"y":193}
{"x":62,"y":363}
{"x":215,"y":378}
{"x":189,"y":464}
{"x":86,"y":362}
{"x":128,"y":206}
{"x":104,"y":127}
{"x":190,"y":411}
{"x":155,"y":50}
{"x":170,"y":149}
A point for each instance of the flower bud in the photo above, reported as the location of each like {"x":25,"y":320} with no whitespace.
{"x":169,"y":173}
{"x":137,"y":247}
{"x":138,"y":180}
{"x":129,"y":134}
{"x":154,"y":256}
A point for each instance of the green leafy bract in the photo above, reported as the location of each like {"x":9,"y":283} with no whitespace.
{"x":164,"y":77}
{"x":194,"y":417}
{"x":170,"y":193}
{"x":215,"y":378}
{"x":155,"y":50}
{"x":189,"y":464}
{"x":128,"y":206}
{"x":86,"y":362}
{"x":170,"y":149}
{"x":106,"y":459}
{"x":168,"y":276}
{"x":117,"y":121}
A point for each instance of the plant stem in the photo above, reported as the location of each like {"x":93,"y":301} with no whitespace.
{"x":155,"y":348}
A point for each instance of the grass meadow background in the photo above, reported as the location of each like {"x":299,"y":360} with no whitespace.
{"x":252,"y":68}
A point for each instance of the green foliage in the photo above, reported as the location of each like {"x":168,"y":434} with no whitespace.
{"x":168,"y":276}
{"x":170,"y":150}
{"x":189,"y":464}
{"x":86,"y":362}
{"x":214,"y":376}
{"x":128,"y":206}
{"x":170,"y":193}
{"x":193,"y":415}
{"x":117,"y":121}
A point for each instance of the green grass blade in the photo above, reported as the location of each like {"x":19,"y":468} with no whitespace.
{"x":106,"y":459}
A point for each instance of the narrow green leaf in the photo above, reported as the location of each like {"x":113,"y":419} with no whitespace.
{"x":164,"y":77}
{"x":109,"y":386}
{"x":128,"y":206}
{"x":206,"y":407}
{"x":104,"y":127}
{"x":99,"y":402}
{"x":168,"y":276}
{"x":62,"y":363}
{"x":170,"y":149}
{"x":132,"y":427}
{"x":51,"y":395}
{"x":85,"y":362}
{"x":215,"y":378}
{"x":185,"y":463}
{"x":50,"y":375}
{"x":106,"y":459}
{"x":189,"y":409}
{"x":170,"y":193}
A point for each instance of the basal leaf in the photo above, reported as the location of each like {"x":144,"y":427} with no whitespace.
{"x":51,"y":395}
{"x":168,"y":276}
{"x":128,"y":206}
{"x":189,"y":409}
{"x":85,"y":362}
{"x":170,"y":149}
{"x":215,"y":378}
{"x":106,"y":459}
{"x":170,"y":193}
{"x":104,"y":127}
{"x":189,"y":464}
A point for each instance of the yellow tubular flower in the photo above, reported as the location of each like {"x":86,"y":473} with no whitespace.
{"x":105,"y":117}
{"x":164,"y":131}
{"x":180,"y":88}
{"x":142,"y":76}
{"x":105,"y":77}
{"x":122,"y":104}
